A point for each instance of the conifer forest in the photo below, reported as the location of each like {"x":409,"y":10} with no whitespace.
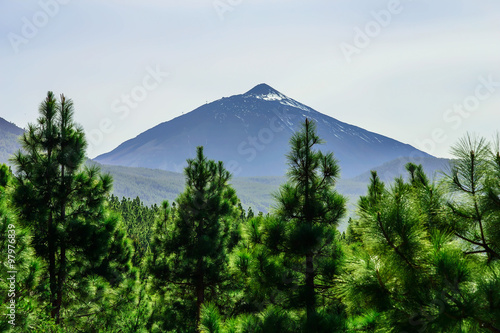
{"x":418,"y":255}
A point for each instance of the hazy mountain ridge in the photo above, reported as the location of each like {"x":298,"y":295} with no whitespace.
{"x":153,"y":186}
{"x":434,"y":168}
{"x":250,"y":133}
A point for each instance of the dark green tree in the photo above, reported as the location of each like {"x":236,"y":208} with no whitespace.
{"x":189,"y":250}
{"x":63,"y":204}
{"x":308,"y":211}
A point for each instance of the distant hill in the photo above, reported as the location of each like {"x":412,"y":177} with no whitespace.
{"x":9,"y":139}
{"x":433,"y":167}
{"x":250,"y":133}
{"x":153,"y":186}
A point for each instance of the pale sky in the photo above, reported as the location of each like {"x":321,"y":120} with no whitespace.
{"x":423,"y":72}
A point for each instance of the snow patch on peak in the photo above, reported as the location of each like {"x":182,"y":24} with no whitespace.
{"x":271,"y":97}
{"x":267,"y":93}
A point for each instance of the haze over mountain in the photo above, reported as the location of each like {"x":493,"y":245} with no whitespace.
{"x":250,"y":133}
{"x":9,"y":135}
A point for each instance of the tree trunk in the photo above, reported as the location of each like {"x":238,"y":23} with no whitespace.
{"x":51,"y":240}
{"x":309,"y":289}
{"x":60,"y":282}
{"x":61,"y":276}
{"x":200,"y":293}
{"x":52,"y":267}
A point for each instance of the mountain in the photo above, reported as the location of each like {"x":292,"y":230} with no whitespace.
{"x":9,"y":139}
{"x":250,"y":133}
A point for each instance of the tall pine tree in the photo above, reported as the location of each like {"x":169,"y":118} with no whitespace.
{"x":310,"y":209}
{"x":64,"y":206}
{"x":188,"y":253}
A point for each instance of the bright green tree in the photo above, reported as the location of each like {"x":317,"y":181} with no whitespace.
{"x":474,"y":207}
{"x":420,"y":264}
{"x":189,"y":252}
{"x":389,"y":276}
{"x":63,"y":204}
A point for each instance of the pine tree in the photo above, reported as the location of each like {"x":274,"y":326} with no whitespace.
{"x":473,"y":182}
{"x":189,"y":248}
{"x":64,"y":207}
{"x":412,"y":271}
{"x":308,"y":211}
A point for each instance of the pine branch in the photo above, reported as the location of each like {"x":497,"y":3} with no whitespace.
{"x":473,"y":252}
{"x":391,"y":244}
{"x":468,"y":240}
{"x":487,"y":249}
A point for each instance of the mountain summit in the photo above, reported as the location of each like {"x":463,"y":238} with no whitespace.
{"x":250,"y":133}
{"x":264,"y":90}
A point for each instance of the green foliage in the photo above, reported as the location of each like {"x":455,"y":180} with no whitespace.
{"x":85,"y":252}
{"x":138,"y":221}
{"x":473,"y":182}
{"x":189,"y":249}
{"x":422,"y":257}
{"x":287,"y":261}
{"x":18,"y":256}
{"x":210,"y":319}
{"x":309,"y":210}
